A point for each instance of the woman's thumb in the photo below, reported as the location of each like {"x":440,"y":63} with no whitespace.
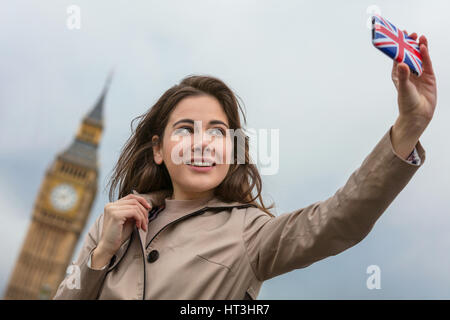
{"x":403,"y":72}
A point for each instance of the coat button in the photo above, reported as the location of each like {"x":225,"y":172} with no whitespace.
{"x":153,"y":256}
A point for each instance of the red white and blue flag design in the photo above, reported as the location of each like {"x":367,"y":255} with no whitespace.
{"x":396,"y":44}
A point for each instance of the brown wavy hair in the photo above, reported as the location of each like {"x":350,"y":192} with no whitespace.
{"x":136,"y":168}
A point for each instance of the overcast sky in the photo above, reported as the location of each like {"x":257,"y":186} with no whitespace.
{"x":307,"y":68}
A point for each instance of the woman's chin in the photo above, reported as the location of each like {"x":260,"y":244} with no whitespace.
{"x":199,"y":184}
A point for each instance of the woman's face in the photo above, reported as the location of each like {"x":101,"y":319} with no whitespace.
{"x":196,"y":147}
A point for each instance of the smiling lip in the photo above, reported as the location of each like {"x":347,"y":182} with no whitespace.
{"x":200,"y":169}
{"x":203,"y":160}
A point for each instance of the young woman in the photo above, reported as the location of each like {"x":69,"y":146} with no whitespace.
{"x":188,"y":223}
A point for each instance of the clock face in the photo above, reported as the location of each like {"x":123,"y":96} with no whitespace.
{"x":63,"y":197}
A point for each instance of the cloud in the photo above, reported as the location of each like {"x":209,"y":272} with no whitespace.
{"x":305,"y":68}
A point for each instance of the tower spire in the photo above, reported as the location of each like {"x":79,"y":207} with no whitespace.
{"x":96,"y":114}
{"x":83,"y":149}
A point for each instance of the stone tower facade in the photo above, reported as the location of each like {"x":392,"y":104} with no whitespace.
{"x":60,"y":212}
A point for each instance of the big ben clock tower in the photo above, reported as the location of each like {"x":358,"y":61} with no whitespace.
{"x":60,"y":212}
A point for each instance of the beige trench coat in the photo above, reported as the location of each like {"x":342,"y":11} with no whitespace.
{"x":226,"y":250}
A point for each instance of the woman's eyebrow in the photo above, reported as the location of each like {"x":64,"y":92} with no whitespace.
{"x":192,"y":122}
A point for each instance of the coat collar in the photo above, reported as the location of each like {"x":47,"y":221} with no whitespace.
{"x":157,"y":199}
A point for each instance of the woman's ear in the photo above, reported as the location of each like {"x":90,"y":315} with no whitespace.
{"x":157,"y":152}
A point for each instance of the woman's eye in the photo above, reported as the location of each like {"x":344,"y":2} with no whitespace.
{"x":217,"y":131}
{"x":183,"y":131}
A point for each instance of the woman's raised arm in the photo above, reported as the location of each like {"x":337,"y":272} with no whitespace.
{"x":297,"y":239}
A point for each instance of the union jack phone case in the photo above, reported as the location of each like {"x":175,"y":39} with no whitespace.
{"x":396,"y":44}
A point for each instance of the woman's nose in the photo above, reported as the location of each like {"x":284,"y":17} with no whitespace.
{"x":202,"y":143}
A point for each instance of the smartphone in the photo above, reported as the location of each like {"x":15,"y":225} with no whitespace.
{"x":396,"y":44}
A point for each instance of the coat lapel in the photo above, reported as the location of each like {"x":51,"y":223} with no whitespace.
{"x":157,"y":198}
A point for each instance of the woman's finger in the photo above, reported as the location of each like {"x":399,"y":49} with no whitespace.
{"x":426,"y":60}
{"x":134,"y":202}
{"x":413,"y":36}
{"x":133,"y":213}
{"x":124,"y":210}
{"x":141,"y":200}
{"x":423,"y":40}
{"x":130,"y":213}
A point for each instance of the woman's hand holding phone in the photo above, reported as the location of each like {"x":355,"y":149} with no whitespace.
{"x":417,"y":93}
{"x":416,"y":98}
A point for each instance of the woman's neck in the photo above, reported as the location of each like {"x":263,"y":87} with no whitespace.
{"x":179,"y":195}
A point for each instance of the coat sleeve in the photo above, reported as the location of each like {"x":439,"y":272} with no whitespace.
{"x":276,"y":245}
{"x":83,"y":282}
